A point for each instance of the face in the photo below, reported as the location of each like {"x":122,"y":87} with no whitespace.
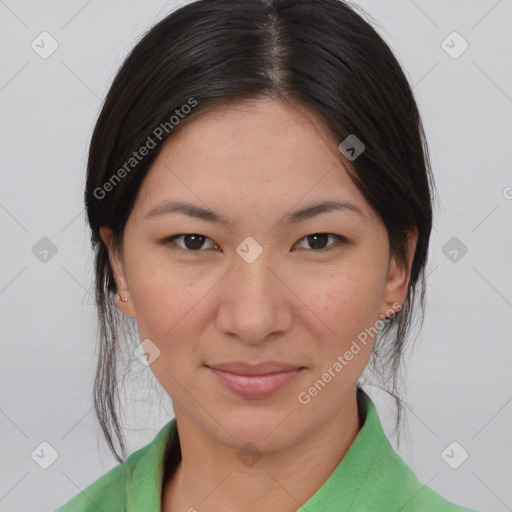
{"x":260,"y":284}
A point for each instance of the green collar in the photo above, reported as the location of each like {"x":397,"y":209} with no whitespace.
{"x":370,"y":477}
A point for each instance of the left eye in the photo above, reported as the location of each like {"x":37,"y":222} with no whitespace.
{"x":318,"y":240}
{"x":193,"y":242}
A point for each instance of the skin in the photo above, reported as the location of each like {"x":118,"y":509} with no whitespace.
{"x":255,"y":162}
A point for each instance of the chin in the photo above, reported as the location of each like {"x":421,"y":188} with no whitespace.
{"x":267,"y":429}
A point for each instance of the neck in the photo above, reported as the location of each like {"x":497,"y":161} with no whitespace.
{"x":210,"y":477}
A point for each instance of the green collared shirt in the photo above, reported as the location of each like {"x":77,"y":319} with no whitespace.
{"x":371,"y":477}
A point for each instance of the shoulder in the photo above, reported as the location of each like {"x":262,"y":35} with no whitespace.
{"x":409,"y":494}
{"x":394,"y":486}
{"x":139,"y":475}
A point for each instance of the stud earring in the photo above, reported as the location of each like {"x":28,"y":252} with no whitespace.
{"x":124,"y":299}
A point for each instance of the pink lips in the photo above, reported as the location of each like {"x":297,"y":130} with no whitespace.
{"x":255,"y":381}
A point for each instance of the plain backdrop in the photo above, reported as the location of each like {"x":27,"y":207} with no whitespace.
{"x":459,"y":384}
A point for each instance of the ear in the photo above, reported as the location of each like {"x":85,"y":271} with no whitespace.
{"x":398,"y":278}
{"x":118,"y":268}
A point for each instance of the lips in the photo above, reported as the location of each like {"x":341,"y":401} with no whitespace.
{"x":255,"y":381}
{"x":265,"y":368}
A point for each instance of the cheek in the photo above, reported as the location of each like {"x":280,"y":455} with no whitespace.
{"x":349,"y":306}
{"x":165,"y":301}
{"x":347,"y":301}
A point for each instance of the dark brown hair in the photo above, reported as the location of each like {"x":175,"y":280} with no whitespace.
{"x":318,"y":53}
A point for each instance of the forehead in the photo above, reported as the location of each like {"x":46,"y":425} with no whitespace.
{"x":248,"y":153}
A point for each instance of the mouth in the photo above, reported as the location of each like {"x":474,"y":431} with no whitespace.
{"x":259,"y":369}
{"x":255,"y":381}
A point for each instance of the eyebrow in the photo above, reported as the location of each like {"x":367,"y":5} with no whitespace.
{"x":199,"y":212}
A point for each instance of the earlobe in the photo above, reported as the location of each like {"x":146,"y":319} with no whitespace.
{"x":125,"y":304}
{"x":398,"y":279}
{"x":123,"y":294}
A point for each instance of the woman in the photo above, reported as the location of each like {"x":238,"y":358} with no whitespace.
{"x":259,"y":194}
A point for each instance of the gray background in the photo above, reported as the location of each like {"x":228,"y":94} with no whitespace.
{"x":459,"y":381}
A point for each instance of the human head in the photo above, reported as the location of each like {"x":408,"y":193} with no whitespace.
{"x":317,"y":56}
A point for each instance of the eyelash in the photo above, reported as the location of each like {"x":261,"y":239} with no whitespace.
{"x":339,"y":240}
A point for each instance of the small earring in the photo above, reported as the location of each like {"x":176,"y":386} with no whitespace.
{"x":124,"y":299}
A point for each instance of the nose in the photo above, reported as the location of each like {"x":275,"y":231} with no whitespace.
{"x":255,"y":303}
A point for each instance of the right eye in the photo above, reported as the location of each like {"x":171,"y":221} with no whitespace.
{"x":192,"y":242}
